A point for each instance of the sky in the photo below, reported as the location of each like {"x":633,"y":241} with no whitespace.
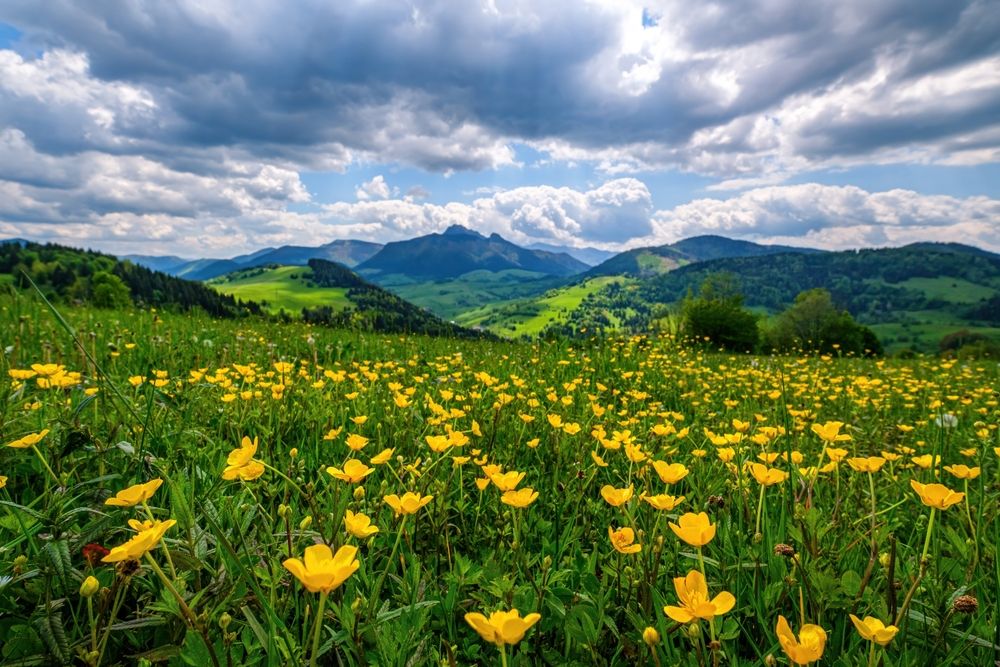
{"x":210,"y":128}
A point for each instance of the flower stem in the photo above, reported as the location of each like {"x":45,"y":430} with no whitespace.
{"x":317,"y":628}
{"x":46,"y":464}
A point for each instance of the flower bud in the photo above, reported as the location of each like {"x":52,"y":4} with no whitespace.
{"x":89,"y":587}
{"x":225,"y":620}
{"x":651,"y":637}
{"x":306,"y":522}
{"x":283,"y":511}
{"x":293,"y":452}
{"x":784,"y":550}
{"x":547,"y":562}
{"x":359,"y":493}
{"x":883,"y":559}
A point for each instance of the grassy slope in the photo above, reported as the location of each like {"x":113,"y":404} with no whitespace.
{"x":278,"y":289}
{"x":452,"y":299}
{"x":527,"y":317}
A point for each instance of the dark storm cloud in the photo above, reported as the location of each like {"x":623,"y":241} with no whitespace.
{"x":316,"y":75}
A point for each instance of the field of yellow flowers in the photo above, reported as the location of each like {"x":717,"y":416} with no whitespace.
{"x":184,"y":491}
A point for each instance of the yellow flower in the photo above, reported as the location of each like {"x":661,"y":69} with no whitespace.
{"x":482,"y":483}
{"x":692,"y":592}
{"x":134,"y":495}
{"x":616,"y":497}
{"x":663,"y":501}
{"x":438,"y":443}
{"x":623,"y":540}
{"x":382,"y":457}
{"x":650,"y":636}
{"x":670,"y":473}
{"x":359,"y":525}
{"x":140,"y":544}
{"x":767,"y":476}
{"x":354,"y":471}
{"x":926,"y":461}
{"x":830,"y":432}
{"x":937,"y":496}
{"x":963,"y":471}
{"x":809,"y":645}
{"x":502,"y":627}
{"x":866,"y":463}
{"x":520,"y":498}
{"x":409,"y":503}
{"x":507,"y":481}
{"x":29,"y":440}
{"x":3,"y":481}
{"x":874,"y":630}
{"x":241,"y":463}
{"x":695,"y":529}
{"x":89,"y":587}
{"x":356,"y":442}
{"x":323,"y":571}
{"x":601,"y":463}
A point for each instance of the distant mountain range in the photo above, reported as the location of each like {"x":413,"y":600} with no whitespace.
{"x":459,"y":250}
{"x":587,"y":255}
{"x":645,"y":262}
{"x":350,"y":253}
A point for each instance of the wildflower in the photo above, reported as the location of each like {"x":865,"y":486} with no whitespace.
{"x":670,"y":473}
{"x":323,"y":571}
{"x":695,"y":529}
{"x":963,"y":471}
{"x":807,"y":647}
{"x":866,"y":463}
{"x":507,"y":481}
{"x":874,"y":630}
{"x":692,"y":592}
{"x":663,"y":501}
{"x":140,"y":544}
{"x":359,"y":525}
{"x":623,"y":540}
{"x":502,"y":627}
{"x":650,"y":636}
{"x":240,"y":462}
{"x":409,"y":503}
{"x":29,"y":440}
{"x":382,"y":457}
{"x":937,"y":496}
{"x":134,"y":495}
{"x":93,"y":552}
{"x":3,"y":481}
{"x":356,"y":442}
{"x":830,"y":432}
{"x":965,"y":604}
{"x":616,"y":497}
{"x":767,"y":476}
{"x":520,"y":498}
{"x":354,"y":471}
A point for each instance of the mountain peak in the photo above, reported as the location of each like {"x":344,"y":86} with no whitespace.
{"x":459,"y":230}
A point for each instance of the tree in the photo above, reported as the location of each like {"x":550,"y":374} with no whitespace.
{"x":717,"y":315}
{"x":108,"y":291}
{"x":814,"y":324}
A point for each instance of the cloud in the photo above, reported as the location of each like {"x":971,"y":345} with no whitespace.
{"x":376,"y":188}
{"x":727,"y":88}
{"x":835,"y":217}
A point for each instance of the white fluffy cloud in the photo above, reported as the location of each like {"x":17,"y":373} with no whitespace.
{"x":836,"y":217}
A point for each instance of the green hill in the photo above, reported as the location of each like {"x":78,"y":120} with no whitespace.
{"x":69,"y":274}
{"x":329,"y":293}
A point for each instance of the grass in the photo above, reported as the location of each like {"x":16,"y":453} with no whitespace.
{"x":528,"y":317}
{"x":283,"y":288}
{"x":135,"y":396}
{"x":952,"y":290}
{"x":450,"y":299}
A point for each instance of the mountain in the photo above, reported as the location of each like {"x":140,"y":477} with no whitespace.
{"x":589,"y":256}
{"x":329,"y":293}
{"x":703,"y":248}
{"x":345,"y":251}
{"x":651,"y":261}
{"x":458,"y":251}
{"x":641,"y":262}
{"x":164,"y":263}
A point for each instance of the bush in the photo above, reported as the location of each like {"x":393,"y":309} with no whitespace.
{"x":717,"y":316}
{"x":814,"y":324}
